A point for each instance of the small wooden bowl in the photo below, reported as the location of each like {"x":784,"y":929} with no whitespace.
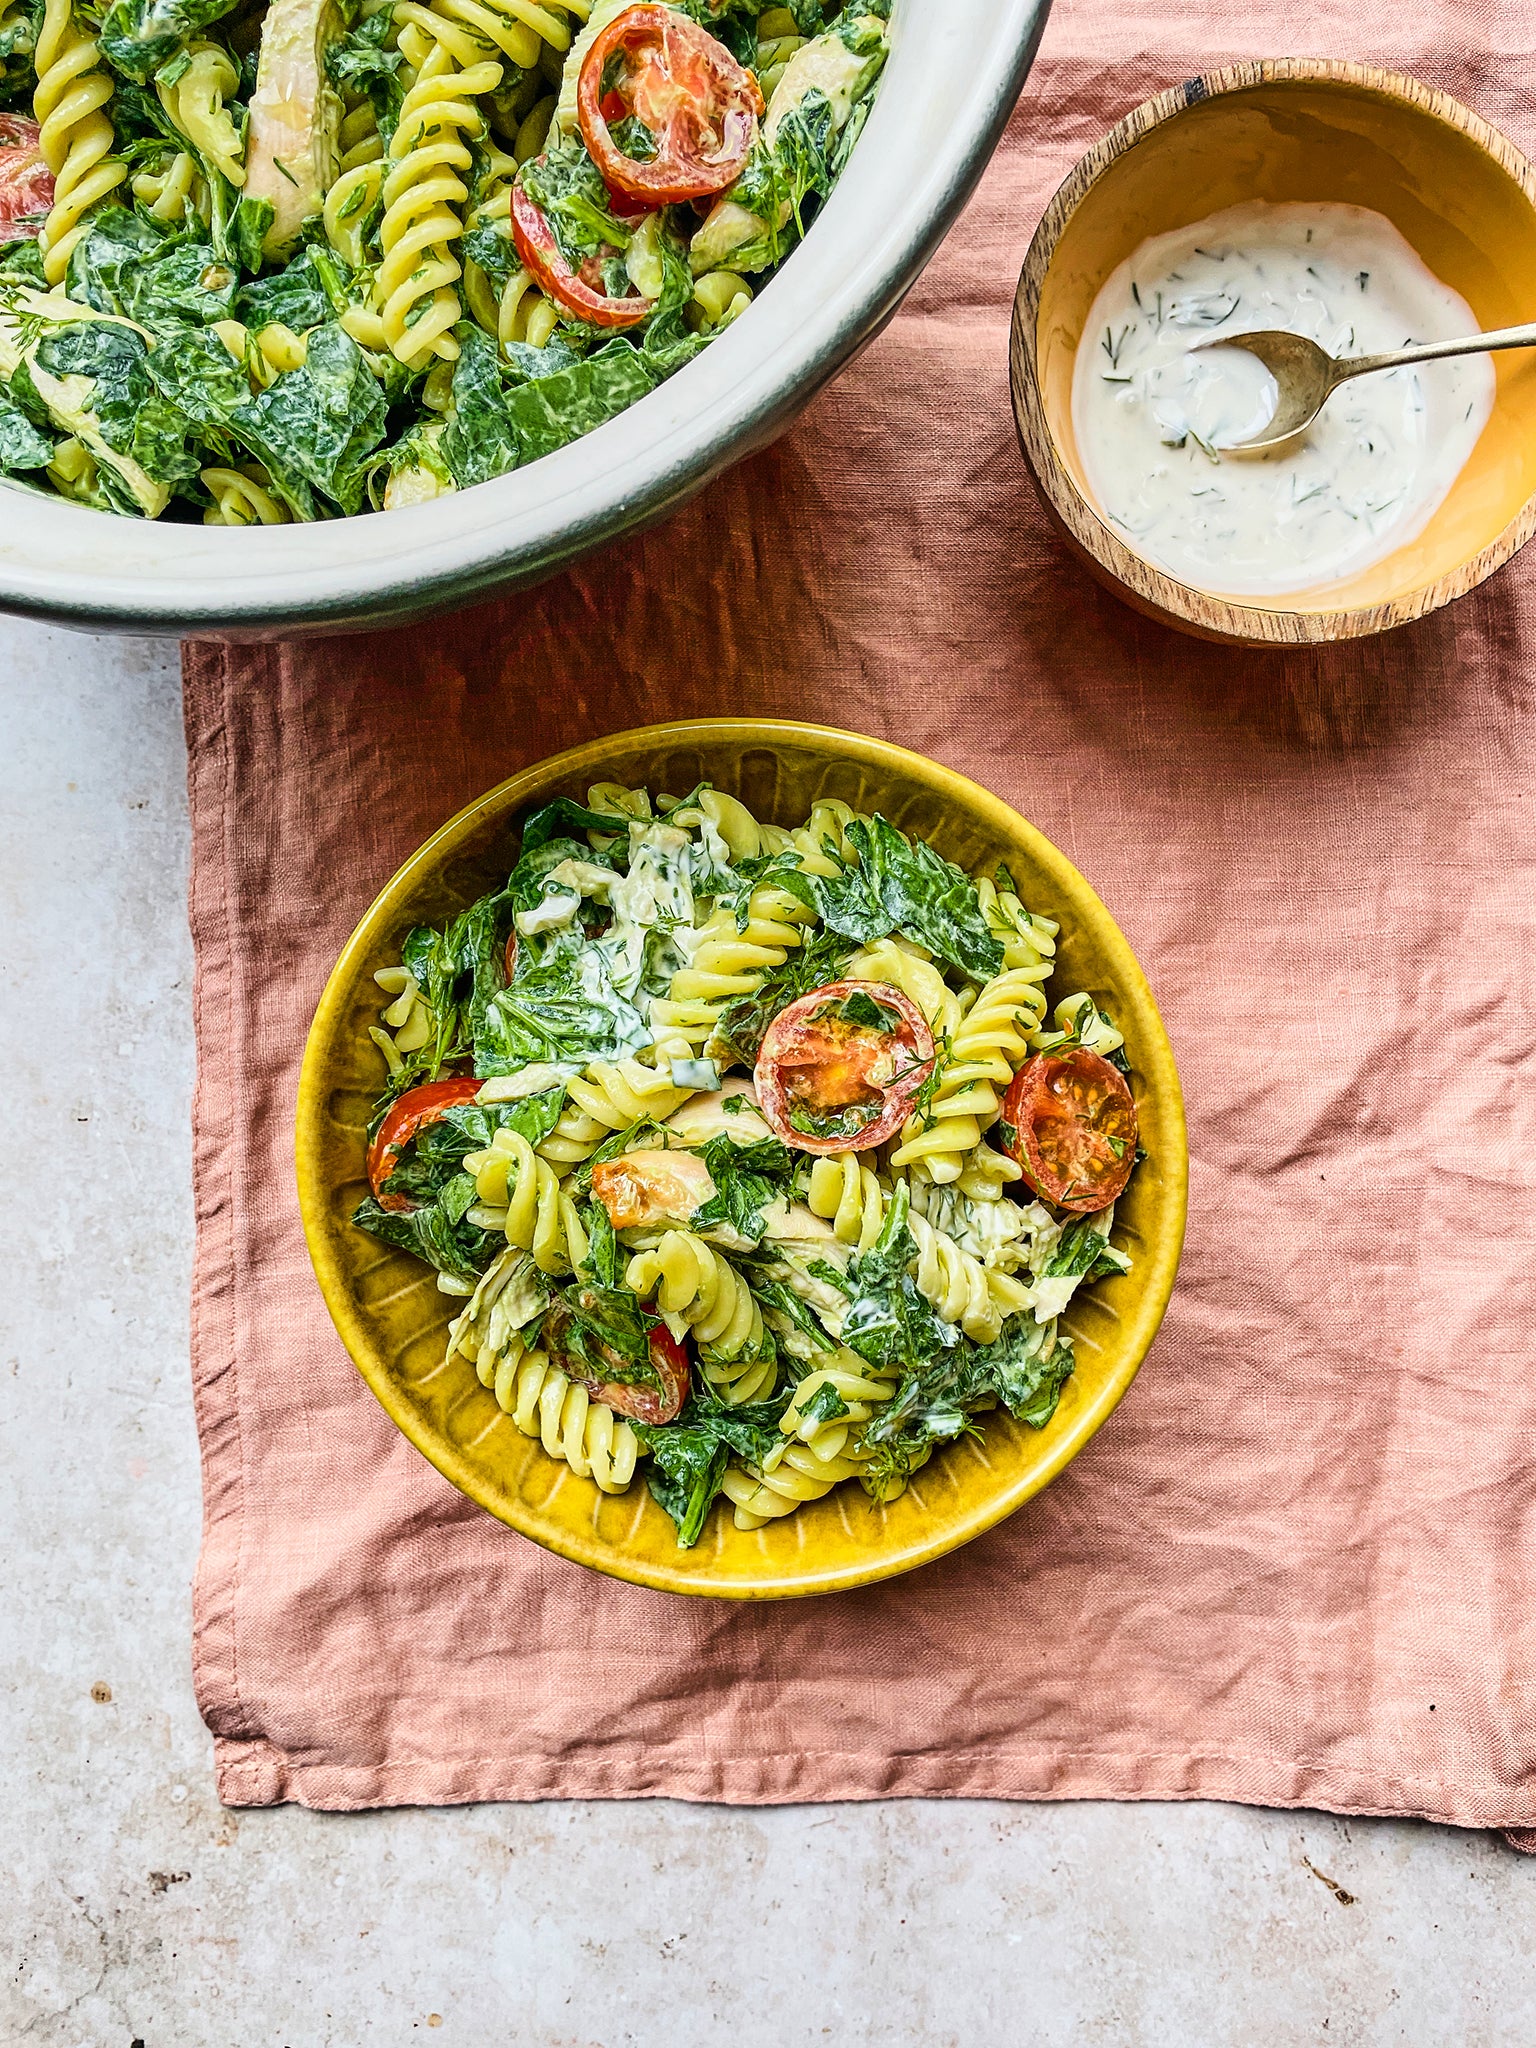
{"x":1293,"y":130}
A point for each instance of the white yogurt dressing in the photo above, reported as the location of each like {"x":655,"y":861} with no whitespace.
{"x":1151,"y":419}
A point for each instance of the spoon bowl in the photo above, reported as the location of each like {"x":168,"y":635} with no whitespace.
{"x":1306,"y":376}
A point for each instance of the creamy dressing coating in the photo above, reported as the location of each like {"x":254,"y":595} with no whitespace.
{"x":1152,"y":420}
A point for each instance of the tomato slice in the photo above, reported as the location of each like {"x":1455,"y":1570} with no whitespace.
{"x":701,"y":106}
{"x":26,"y":183}
{"x":839,"y":1068}
{"x":640,"y":1403}
{"x":404,"y":1118}
{"x":1070,"y":1122}
{"x":580,"y":292}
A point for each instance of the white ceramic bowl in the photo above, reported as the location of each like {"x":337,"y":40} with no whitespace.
{"x":955,"y":70}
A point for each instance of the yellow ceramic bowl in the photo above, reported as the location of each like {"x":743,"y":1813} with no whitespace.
{"x":1461,"y":194}
{"x":393,"y":1320}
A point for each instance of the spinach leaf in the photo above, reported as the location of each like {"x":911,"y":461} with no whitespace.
{"x":494,"y":251}
{"x":889,"y":1322}
{"x":496,"y":426}
{"x":563,"y":817}
{"x":1026,"y":1368}
{"x":567,"y":187}
{"x":437,"y":1232}
{"x":246,"y":229}
{"x":1083,"y":1252}
{"x":137,"y":36}
{"x":134,"y":418}
{"x":604,"y":1260}
{"x":689,"y":1456}
{"x":22,"y":445}
{"x":315,"y":426}
{"x":296,"y":295}
{"x":902,"y":885}
{"x":362,"y":63}
{"x":562,"y":1008}
{"x":607,"y":1330}
{"x":747,"y":1178}
{"x":825,"y":1405}
{"x":127,"y":262}
{"x":779,"y":1298}
{"x":197,"y":373}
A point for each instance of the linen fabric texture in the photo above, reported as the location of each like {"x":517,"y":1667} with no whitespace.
{"x":1297,"y":1567}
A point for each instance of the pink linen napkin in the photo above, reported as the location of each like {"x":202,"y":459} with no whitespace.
{"x":1297,"y":1567}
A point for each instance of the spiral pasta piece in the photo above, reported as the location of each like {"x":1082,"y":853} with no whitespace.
{"x":822,"y":842}
{"x":523,"y":30}
{"x":726,"y":963}
{"x":426,"y":184}
{"x":520,"y":1193}
{"x":761,"y":1496}
{"x":1026,"y":940}
{"x":170,"y":187}
{"x":196,"y":103}
{"x":1079,"y":1018}
{"x":69,"y":104}
{"x":985,"y":1050}
{"x":691,"y":1280}
{"x":596,"y":1443}
{"x":241,"y":498}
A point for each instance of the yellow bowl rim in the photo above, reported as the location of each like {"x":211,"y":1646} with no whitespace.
{"x":583,"y":764}
{"x":1140,"y":582}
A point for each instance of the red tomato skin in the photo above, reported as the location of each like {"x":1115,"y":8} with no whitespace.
{"x":712,"y":80}
{"x":1026,"y":1096}
{"x":773,"y":1098}
{"x":26,"y":183}
{"x":637,"y":1403}
{"x":405,"y":1117}
{"x":536,"y":245}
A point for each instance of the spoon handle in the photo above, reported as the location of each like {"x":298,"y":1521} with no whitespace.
{"x":1431,"y":351}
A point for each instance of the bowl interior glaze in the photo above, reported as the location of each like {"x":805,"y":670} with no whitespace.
{"x":393,"y":1320}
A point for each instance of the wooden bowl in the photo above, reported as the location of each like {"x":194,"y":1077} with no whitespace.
{"x":1300,"y":129}
{"x":394,"y":1322}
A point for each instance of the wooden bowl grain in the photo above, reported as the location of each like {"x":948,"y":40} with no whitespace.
{"x":1295,"y":129}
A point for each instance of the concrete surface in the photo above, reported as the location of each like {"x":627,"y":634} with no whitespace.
{"x":134,"y":1910}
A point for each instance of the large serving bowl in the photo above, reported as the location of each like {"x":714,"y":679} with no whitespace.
{"x":393,"y":1320}
{"x":955,"y":70}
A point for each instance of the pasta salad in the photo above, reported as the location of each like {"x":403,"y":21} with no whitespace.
{"x":287,"y":261}
{"x":751,"y":1152}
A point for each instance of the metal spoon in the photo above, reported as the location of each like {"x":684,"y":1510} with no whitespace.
{"x":1308,"y":376}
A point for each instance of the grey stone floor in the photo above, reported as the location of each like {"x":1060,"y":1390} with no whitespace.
{"x":133,"y":1909}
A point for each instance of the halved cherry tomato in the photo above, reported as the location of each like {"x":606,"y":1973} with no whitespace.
{"x":641,"y":1403}
{"x":839,"y":1068}
{"x":1070,"y":1122}
{"x":26,"y":183}
{"x":411,"y":1113}
{"x":686,"y":88}
{"x":580,"y":292}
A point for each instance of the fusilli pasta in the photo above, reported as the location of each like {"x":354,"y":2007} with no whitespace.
{"x":76,"y":139}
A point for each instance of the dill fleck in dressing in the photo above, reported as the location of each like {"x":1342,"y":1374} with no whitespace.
{"x":1152,"y":420}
